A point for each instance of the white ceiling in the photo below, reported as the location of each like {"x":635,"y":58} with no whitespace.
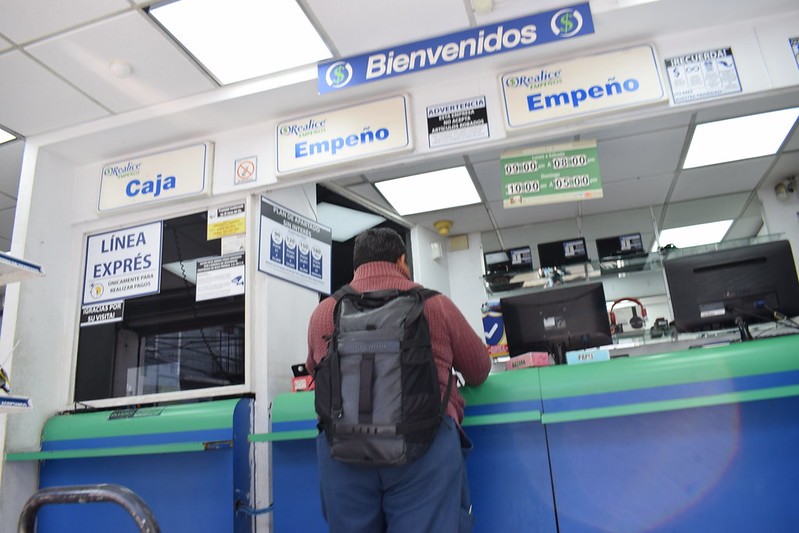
{"x":54,"y":58}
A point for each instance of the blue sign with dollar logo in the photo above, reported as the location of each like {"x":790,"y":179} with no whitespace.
{"x":473,"y":43}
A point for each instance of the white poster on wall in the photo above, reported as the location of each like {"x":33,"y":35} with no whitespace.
{"x":560,"y":91}
{"x":348,"y":134}
{"x":457,"y":122}
{"x":123,"y":264}
{"x":701,"y":75}
{"x":294,"y":248}
{"x":220,"y":277}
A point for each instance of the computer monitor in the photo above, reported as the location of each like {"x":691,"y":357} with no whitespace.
{"x":521,"y":259}
{"x":562,"y":253}
{"x":496,"y":261}
{"x":557,"y":320}
{"x":620,"y":246}
{"x":733,"y":288}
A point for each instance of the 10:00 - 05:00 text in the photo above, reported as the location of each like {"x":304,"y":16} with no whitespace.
{"x":559,"y":184}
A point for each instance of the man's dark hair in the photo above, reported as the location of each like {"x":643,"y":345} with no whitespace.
{"x":377,"y":244}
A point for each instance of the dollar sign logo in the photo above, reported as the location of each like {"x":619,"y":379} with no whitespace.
{"x":338,"y":74}
{"x":566,"y":23}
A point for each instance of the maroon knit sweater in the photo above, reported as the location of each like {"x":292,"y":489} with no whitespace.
{"x":455,"y":344}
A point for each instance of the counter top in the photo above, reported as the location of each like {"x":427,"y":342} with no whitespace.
{"x":734,"y":373}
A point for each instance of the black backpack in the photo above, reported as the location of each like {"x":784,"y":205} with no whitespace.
{"x":377,"y":393}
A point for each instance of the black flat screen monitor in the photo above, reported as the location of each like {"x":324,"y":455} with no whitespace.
{"x":562,"y":253}
{"x":733,"y":288}
{"x":496,"y":261}
{"x":521,"y":259}
{"x":557,"y":320}
{"x":630,"y":244}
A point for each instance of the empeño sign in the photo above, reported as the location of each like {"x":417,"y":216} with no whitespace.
{"x":156,"y":177}
{"x":559,"y":91}
{"x":356,"y":132}
{"x":469,"y":44}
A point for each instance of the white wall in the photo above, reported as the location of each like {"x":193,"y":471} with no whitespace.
{"x":432,"y":273}
{"x":278,"y":314}
{"x":781,"y":216}
{"x":466,"y":281}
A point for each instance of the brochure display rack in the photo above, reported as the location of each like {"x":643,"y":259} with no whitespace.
{"x":11,"y":271}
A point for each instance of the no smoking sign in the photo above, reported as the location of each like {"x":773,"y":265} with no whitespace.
{"x":246,"y":170}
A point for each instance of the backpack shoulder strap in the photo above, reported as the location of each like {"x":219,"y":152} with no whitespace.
{"x":335,"y":370}
{"x":344,"y":289}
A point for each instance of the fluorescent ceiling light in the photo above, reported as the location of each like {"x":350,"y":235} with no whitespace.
{"x":740,"y":138}
{"x":242,"y":39}
{"x":602,"y":6}
{"x":430,"y":191}
{"x":344,"y":222}
{"x":5,"y":136}
{"x":696,"y":235}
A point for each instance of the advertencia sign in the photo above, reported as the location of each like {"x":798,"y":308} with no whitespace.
{"x":560,"y":91}
{"x":123,"y":264}
{"x":294,"y":248}
{"x":348,"y":134}
{"x":550,"y":174}
{"x":156,"y":177}
{"x":466,"y":45}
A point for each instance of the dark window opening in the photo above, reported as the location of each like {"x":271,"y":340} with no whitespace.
{"x":168,"y":341}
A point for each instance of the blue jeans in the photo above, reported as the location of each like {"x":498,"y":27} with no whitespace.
{"x":430,"y":494}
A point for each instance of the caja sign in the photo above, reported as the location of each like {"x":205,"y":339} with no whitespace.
{"x":156,"y":177}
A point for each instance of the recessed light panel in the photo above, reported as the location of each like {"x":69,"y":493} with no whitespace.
{"x":5,"y":136}
{"x":430,"y":191}
{"x":345,"y":223}
{"x":696,"y":235}
{"x":242,"y":39}
{"x":739,"y":138}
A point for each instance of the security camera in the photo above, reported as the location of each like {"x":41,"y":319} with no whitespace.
{"x":790,"y":184}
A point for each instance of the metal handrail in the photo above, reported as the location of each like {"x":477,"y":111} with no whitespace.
{"x":105,"y":492}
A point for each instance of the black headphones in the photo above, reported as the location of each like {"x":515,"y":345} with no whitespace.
{"x":637,"y":322}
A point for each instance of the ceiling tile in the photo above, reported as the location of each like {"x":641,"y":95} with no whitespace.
{"x":704,"y":210}
{"x":786,"y":166}
{"x":793,"y":141}
{"x":160,"y":71}
{"x":648,"y":154}
{"x":489,"y":176}
{"x":384,"y":23}
{"x":467,"y":219}
{"x":10,"y":166}
{"x":629,"y":194}
{"x":535,"y":214}
{"x":26,"y":20}
{"x":720,"y":179}
{"x":368,"y":191}
{"x":7,"y":202}
{"x":7,"y":223}
{"x":35,"y":100}
{"x":4,"y":45}
{"x":744,"y":228}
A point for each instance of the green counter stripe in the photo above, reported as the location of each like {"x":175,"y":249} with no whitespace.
{"x":283,"y":435}
{"x":763,"y":356}
{"x":671,"y":405}
{"x":293,"y":406}
{"x":504,"y":418}
{"x":505,"y":387}
{"x":149,"y":420}
{"x":107,"y":452}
